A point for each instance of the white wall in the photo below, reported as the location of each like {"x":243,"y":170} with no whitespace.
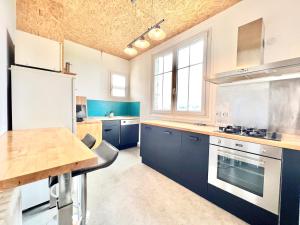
{"x":281,"y":19}
{"x":93,"y":70}
{"x":7,"y":22}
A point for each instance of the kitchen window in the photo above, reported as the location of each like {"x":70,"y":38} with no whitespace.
{"x":178,"y":78}
{"x":163,"y":82}
{"x":118,"y":85}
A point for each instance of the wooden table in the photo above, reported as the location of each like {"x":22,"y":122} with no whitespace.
{"x":31,"y":155}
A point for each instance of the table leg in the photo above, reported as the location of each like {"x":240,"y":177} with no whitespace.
{"x":65,"y":203}
{"x":83,"y":198}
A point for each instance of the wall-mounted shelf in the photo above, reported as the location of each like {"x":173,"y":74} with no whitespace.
{"x":69,"y":73}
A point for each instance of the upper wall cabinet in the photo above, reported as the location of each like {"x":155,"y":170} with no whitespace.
{"x":35,"y":51}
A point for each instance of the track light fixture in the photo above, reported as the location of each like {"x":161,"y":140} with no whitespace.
{"x":154,"y":33}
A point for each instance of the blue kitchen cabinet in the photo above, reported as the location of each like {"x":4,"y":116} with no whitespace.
{"x":290,"y":190}
{"x":160,"y":149}
{"x":168,"y":150}
{"x":147,"y":138}
{"x":193,"y":165}
{"x":129,"y":136}
{"x":111,"y":132}
{"x":150,"y":147}
{"x":181,"y":156}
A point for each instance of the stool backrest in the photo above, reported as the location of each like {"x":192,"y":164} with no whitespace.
{"x":89,"y":141}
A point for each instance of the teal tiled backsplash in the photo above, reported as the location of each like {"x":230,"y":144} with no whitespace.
{"x":102,"y":108}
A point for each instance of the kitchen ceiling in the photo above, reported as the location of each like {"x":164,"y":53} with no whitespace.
{"x":110,"y":25}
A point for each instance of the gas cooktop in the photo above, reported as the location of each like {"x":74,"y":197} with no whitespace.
{"x":251,"y":132}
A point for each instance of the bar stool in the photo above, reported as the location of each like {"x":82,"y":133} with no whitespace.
{"x":89,"y":141}
{"x":106,"y":154}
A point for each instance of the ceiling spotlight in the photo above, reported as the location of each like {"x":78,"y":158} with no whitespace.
{"x":130,"y":50}
{"x":141,"y":43}
{"x":157,"y":33}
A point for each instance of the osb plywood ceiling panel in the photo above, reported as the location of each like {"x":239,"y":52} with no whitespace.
{"x":109,"y":25}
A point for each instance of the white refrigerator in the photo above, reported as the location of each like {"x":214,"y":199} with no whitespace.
{"x":41,"y":99}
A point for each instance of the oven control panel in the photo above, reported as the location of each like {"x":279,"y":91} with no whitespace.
{"x":265,"y":150}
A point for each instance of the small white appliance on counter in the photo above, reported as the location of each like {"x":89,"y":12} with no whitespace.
{"x":40,"y":99}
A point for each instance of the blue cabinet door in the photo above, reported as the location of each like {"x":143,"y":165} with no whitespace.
{"x":111,"y":132}
{"x":290,"y":190}
{"x":129,"y":136}
{"x":160,"y":149}
{"x":168,"y":143}
{"x":194,"y":162}
{"x":149,"y":147}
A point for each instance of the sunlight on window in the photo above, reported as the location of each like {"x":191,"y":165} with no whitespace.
{"x":178,"y":77}
{"x":118,"y":85}
{"x":163,"y":82}
{"x":190,"y":77}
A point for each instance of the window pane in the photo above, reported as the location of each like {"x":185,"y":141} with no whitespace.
{"x":157,"y":103}
{"x":168,"y":61}
{"x":159,"y":65}
{"x":167,"y":91}
{"x":196,"y":55}
{"x":118,"y":92}
{"x":156,"y":65}
{"x":118,"y":81}
{"x":118,"y":85}
{"x":183,"y":57}
{"x":195,"y":88}
{"x":182,"y":89}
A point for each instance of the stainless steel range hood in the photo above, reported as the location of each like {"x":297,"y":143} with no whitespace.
{"x":271,"y":69}
{"x":250,"y":52}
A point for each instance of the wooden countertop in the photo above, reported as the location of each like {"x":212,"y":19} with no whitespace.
{"x":288,"y":141}
{"x":30,"y":155}
{"x":101,"y":118}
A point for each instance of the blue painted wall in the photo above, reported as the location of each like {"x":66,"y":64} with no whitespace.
{"x":102,"y":108}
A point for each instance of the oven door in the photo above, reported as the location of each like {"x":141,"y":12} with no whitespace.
{"x":251,"y":177}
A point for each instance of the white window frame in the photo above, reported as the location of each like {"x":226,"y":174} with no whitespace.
{"x":111,"y":85}
{"x":205,"y":95}
{"x":163,"y":53}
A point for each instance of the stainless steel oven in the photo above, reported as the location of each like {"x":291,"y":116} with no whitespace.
{"x":247,"y":170}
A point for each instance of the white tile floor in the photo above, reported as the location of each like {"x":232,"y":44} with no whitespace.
{"x":131,"y":193}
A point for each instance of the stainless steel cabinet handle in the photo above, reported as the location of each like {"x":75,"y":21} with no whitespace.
{"x":167,"y":132}
{"x":192,"y":138}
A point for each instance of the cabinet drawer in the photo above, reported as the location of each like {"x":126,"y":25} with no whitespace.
{"x":109,"y":123}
